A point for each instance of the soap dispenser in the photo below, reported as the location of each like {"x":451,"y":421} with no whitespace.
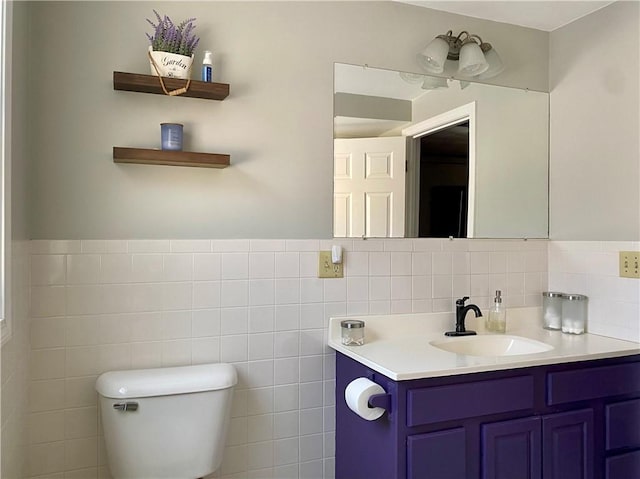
{"x":497,"y":318}
{"x":207,"y":67}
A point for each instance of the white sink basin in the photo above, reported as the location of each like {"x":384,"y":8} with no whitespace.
{"x":491,"y":345}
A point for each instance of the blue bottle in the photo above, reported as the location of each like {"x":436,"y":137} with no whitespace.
{"x":207,"y":67}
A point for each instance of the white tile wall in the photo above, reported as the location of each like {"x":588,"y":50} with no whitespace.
{"x":101,"y":305}
{"x":591,"y":268}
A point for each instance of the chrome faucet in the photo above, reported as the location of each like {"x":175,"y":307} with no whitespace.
{"x":461,"y":313}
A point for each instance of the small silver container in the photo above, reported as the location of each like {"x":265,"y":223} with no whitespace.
{"x":552,"y":310}
{"x":574,"y":313}
{"x":352,"y":332}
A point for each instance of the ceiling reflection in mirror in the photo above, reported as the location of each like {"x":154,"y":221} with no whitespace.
{"x":423,"y":156}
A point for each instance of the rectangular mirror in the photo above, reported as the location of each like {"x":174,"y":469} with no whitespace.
{"x":423,"y":156}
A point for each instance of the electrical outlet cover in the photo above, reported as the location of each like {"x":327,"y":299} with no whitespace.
{"x":326,"y":268}
{"x":630,"y":264}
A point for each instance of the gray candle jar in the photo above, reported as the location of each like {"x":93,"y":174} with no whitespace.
{"x":552,"y":310}
{"x":574,"y":313}
{"x":352,"y":332}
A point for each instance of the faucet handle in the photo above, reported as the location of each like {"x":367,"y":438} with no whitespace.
{"x":460,"y":302}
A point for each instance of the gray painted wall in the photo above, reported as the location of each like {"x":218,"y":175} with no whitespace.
{"x":277,"y":123}
{"x":512,"y":156}
{"x":20,"y":132}
{"x":595,"y":125}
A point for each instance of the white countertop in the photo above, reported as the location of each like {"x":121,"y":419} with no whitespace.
{"x":397,"y":345}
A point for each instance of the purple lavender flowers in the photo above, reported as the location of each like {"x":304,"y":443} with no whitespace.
{"x":168,"y":37}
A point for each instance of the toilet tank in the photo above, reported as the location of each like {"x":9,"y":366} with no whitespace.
{"x":166,"y":422}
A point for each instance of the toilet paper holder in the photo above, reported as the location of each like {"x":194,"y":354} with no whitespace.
{"x":381,"y":400}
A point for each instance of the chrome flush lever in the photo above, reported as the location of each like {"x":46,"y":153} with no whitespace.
{"x":126,"y":406}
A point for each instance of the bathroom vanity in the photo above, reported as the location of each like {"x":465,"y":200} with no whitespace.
{"x":570,"y":411}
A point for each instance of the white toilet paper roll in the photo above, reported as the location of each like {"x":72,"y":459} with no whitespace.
{"x":357,"y":394}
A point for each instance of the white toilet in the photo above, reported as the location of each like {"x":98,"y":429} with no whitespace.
{"x":166,"y":422}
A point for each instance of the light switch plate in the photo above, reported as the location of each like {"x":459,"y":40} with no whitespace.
{"x":630,"y":264}
{"x":326,"y":269}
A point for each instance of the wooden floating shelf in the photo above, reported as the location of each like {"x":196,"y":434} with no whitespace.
{"x":145,"y":156}
{"x":151,"y":84}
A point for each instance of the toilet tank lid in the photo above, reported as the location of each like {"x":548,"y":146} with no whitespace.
{"x":137,"y":383}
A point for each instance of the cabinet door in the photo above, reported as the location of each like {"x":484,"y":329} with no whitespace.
{"x":437,"y":455}
{"x":511,"y":449}
{"x":622,"y":424}
{"x":568,"y":445}
{"x":624,"y":466}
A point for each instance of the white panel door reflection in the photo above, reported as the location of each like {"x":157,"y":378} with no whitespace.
{"x":369,"y":187}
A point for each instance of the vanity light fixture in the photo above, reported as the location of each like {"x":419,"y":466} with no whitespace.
{"x":476,"y":59}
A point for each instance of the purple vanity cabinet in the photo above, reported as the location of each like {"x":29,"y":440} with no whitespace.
{"x":369,"y":449}
{"x":556,"y":446}
{"x":623,"y":466}
{"x":562,"y":421}
{"x":622,"y":432}
{"x":512,"y":449}
{"x":567,"y":451}
{"x":428,"y":455}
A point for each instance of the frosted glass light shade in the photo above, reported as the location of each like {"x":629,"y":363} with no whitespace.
{"x":495,"y":65}
{"x":433,"y":83}
{"x":472,"y":61}
{"x":432,"y":58}
{"x":414,"y":78}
